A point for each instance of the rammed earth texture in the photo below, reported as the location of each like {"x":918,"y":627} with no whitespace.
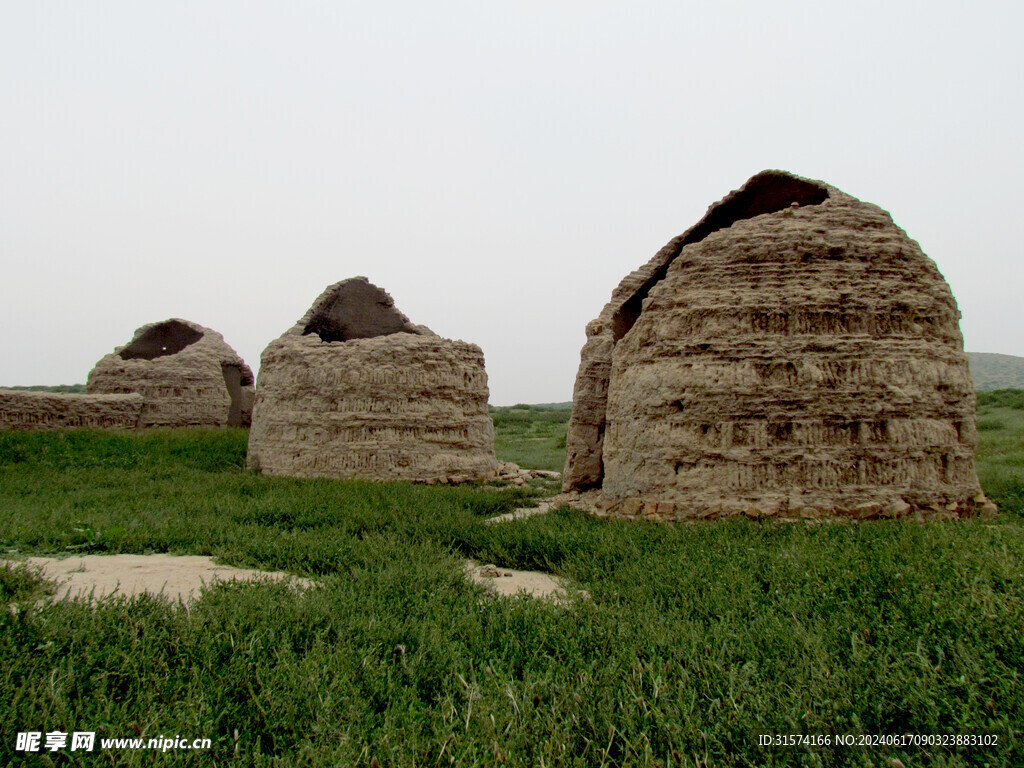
{"x":793,"y":354}
{"x":356,"y":390}
{"x":186,"y":374}
{"x":174,"y":373}
{"x":49,"y":410}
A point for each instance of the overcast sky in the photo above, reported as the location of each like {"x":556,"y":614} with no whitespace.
{"x":496,"y":166}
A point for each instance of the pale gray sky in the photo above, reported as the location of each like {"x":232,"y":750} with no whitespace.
{"x":497,"y":166}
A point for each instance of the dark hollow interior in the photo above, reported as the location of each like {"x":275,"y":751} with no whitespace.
{"x":767,"y":192}
{"x":358,"y":310}
{"x":234,"y":379}
{"x":163,"y":339}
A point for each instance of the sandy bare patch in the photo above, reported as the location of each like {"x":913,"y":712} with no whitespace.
{"x":509,"y":582}
{"x":177,"y":576}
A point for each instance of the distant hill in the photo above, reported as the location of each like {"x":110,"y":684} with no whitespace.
{"x":992,"y":371}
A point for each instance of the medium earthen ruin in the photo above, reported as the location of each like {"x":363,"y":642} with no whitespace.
{"x":356,"y":390}
{"x":187,"y":376}
{"x":793,"y":354}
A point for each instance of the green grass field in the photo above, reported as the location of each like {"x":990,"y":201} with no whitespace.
{"x":696,"y":640}
{"x":531,"y":436}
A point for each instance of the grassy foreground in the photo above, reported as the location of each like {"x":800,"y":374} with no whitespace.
{"x":696,"y":640}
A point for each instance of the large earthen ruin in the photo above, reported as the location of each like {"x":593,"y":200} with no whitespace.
{"x":793,"y":354}
{"x":356,"y":390}
{"x":187,"y":376}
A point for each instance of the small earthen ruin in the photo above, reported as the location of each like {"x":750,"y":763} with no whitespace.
{"x":21,"y":410}
{"x":356,"y":390}
{"x":187,"y":376}
{"x":793,"y":354}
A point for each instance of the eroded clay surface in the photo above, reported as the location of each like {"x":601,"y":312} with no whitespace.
{"x":797,"y":357}
{"x":22,"y":410}
{"x":187,"y":376}
{"x":407,"y":405}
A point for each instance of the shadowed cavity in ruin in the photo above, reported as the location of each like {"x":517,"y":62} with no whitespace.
{"x":357,"y":310}
{"x":768,"y":192}
{"x":163,"y":339}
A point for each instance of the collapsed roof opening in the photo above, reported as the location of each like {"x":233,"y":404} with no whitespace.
{"x":357,"y":310}
{"x":167,"y":338}
{"x":767,"y":192}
